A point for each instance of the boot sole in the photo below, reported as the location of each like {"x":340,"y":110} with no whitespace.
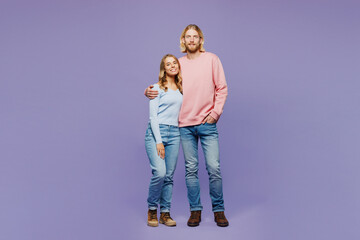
{"x":153,"y":224}
{"x":194,"y":224}
{"x":222,"y":225}
{"x":169,"y":225}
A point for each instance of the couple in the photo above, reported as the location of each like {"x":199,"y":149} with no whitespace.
{"x":187,"y":101}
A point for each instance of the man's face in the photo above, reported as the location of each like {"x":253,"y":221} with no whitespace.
{"x":192,"y":41}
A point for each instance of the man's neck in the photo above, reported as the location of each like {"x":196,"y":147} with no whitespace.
{"x":194,"y":55}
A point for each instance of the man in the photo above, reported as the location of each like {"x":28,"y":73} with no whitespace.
{"x":204,"y":96}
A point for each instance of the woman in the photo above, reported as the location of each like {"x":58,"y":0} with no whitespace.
{"x":162,"y":140}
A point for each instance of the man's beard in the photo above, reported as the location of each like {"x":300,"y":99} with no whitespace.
{"x":193,"y":50}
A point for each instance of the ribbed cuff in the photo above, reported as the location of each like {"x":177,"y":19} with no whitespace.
{"x":214,"y":115}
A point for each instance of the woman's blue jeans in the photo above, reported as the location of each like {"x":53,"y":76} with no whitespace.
{"x":208,"y":135}
{"x":161,"y":183}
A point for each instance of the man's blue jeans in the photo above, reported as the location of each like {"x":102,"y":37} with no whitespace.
{"x":161,"y":183}
{"x":208,"y":135}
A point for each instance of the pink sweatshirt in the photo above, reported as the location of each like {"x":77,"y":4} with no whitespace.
{"x":204,"y":88}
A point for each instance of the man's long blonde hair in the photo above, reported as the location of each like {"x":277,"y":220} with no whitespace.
{"x":201,"y":35}
{"x":162,"y":74}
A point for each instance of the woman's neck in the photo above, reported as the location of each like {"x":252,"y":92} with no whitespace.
{"x":170,"y":80}
{"x":170,"y":83}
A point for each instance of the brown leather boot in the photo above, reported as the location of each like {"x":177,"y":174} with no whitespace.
{"x":152,"y":218}
{"x":220,"y":219}
{"x":166,"y":219}
{"x":195,"y":219}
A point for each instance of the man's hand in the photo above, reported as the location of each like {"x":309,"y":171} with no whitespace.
{"x":209,"y":119}
{"x":151,"y":94}
{"x":160,"y":150}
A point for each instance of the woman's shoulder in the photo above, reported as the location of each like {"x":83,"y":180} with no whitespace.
{"x":158,"y":88}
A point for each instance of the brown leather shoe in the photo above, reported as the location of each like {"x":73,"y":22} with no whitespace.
{"x":152,"y":218}
{"x":220,"y":219}
{"x":195,"y":219}
{"x":166,"y":219}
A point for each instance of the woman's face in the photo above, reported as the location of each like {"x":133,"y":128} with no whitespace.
{"x":171,"y":66}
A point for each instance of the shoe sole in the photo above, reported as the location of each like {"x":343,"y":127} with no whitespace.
{"x":153,"y":224}
{"x":194,"y":224}
{"x":169,"y":225}
{"x":222,"y":225}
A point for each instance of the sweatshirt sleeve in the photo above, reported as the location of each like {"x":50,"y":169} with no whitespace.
{"x":221,"y":90}
{"x":154,"y":121}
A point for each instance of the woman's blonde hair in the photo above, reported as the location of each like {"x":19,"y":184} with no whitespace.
{"x":162,"y":74}
{"x":201,"y":35}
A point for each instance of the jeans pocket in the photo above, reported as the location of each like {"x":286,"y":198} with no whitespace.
{"x":210,"y":129}
{"x":148,"y":134}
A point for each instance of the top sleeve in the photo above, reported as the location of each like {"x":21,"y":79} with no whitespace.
{"x":221,"y":90}
{"x":154,"y":121}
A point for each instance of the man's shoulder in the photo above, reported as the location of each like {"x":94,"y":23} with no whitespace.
{"x":211,"y":55}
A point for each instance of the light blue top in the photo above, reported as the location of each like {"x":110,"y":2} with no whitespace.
{"x":164,"y":109}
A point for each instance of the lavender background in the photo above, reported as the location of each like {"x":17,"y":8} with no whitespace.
{"x":73,"y":118}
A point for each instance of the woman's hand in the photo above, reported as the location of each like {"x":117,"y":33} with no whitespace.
{"x":160,"y":150}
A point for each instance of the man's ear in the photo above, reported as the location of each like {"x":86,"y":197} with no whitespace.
{"x":183,"y":40}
